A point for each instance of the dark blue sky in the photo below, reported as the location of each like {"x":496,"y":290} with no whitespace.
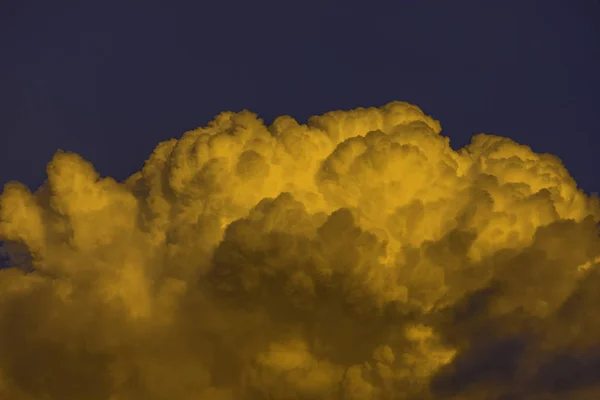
{"x":110,"y":79}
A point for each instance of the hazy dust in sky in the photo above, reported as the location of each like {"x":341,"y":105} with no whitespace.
{"x":355,"y":257}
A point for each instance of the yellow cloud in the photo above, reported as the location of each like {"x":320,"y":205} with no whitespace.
{"x":357,"y":256}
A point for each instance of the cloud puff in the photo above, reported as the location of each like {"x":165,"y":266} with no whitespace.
{"x":355,"y":257}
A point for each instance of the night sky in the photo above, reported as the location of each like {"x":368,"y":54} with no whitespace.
{"x":109,"y":80}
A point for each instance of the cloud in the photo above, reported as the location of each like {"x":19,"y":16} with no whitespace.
{"x":357,"y":256}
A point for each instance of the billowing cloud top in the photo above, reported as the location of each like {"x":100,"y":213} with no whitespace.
{"x":355,"y":257}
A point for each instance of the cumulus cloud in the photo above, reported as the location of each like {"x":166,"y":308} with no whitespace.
{"x":357,"y":256}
